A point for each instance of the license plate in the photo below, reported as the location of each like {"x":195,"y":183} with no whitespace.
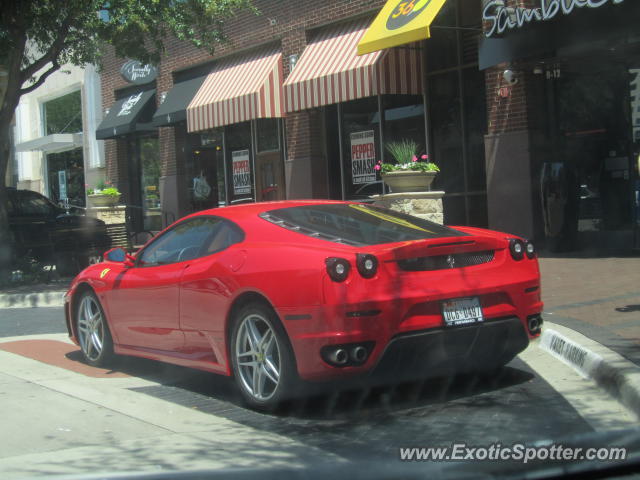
{"x":462,"y":311}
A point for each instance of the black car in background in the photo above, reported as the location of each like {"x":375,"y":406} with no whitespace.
{"x":49,"y":234}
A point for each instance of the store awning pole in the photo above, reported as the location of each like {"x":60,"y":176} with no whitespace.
{"x":425,"y":99}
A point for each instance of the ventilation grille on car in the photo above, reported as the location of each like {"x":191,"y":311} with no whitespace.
{"x":443,"y":262}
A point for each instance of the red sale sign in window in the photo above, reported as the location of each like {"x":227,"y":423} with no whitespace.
{"x":241,"y":172}
{"x":363,"y":157}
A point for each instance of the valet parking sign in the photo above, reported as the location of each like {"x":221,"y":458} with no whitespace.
{"x":363,"y":157}
{"x":241,"y":172}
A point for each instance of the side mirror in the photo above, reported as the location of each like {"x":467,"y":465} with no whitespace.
{"x":118,"y":254}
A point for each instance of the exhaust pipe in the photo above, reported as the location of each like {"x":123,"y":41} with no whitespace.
{"x":534,"y":324}
{"x":338,"y":356}
{"x":358,"y":354}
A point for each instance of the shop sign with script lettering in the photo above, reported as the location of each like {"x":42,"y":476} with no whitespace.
{"x":501,"y":17}
{"x":134,"y":72}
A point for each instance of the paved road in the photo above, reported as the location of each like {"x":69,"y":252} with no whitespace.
{"x":512,"y":407}
{"x":97,"y":415}
{"x":31,"y":321}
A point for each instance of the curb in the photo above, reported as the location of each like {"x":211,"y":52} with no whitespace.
{"x":609,"y":370}
{"x":32,"y":300}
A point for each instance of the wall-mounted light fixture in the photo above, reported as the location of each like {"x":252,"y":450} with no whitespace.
{"x":510,"y":77}
{"x":293,"y":59}
{"x":163,"y":97}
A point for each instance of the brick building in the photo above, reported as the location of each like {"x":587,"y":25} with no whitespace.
{"x":562,"y":136}
{"x":302,"y":148}
{"x":276,"y":112}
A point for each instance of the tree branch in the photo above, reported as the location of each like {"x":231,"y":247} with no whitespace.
{"x":51,"y":54}
{"x":55,"y":66}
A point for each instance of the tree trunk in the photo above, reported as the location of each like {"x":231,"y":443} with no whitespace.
{"x":5,"y":234}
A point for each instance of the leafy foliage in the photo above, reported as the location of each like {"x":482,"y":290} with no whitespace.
{"x":76,"y":29}
{"x":37,"y":37}
{"x":405,"y":153}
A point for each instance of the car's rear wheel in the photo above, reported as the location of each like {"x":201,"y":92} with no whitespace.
{"x":262,"y":359}
{"x":92,"y":330}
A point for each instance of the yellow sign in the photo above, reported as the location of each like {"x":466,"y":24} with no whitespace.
{"x":400,"y":22}
{"x":104,"y":272}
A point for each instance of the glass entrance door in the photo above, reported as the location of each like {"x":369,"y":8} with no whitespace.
{"x":65,"y":173}
{"x":594,"y":142}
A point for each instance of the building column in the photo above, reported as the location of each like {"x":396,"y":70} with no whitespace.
{"x":512,"y":176}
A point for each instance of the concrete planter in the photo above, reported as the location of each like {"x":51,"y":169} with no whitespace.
{"x":403,"y":181}
{"x":100,"y":200}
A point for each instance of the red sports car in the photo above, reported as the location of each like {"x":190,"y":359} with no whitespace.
{"x":278,"y":293}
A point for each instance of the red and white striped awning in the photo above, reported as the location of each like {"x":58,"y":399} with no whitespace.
{"x":237,"y":90}
{"x":330,"y":70}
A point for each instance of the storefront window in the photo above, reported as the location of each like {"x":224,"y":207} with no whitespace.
{"x":65,"y":170}
{"x":239,"y":162}
{"x":475,"y":108}
{"x":457,"y":112}
{"x":63,"y":114}
{"x":403,"y":120}
{"x":446,"y":129}
{"x":65,"y":173}
{"x":442,"y":46}
{"x":267,"y":135}
{"x":150,"y":183}
{"x":143,"y":199}
{"x":205,"y":171}
{"x":594,"y":122}
{"x":269,"y":160}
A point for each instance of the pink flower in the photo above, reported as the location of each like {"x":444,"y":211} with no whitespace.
{"x":377,"y":167}
{"x":425,"y":157}
{"x":414,"y":159}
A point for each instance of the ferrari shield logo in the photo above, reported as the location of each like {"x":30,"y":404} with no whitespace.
{"x":104,"y":272}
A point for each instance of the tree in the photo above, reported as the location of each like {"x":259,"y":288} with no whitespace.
{"x":37,"y":37}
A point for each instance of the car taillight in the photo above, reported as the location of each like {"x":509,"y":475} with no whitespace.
{"x":530,"y":250}
{"x":367,"y":265}
{"x":338,"y":268}
{"x":516,"y":247}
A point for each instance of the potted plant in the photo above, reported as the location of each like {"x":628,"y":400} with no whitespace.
{"x":103,"y":195}
{"x":409,"y":173}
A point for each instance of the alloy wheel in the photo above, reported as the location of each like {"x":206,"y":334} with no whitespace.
{"x":258,"y":357}
{"x":91,"y":329}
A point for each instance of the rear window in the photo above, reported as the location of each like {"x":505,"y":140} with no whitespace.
{"x":355,"y":224}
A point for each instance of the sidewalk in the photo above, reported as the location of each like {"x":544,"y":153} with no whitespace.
{"x":40,"y":295}
{"x":598,"y":297}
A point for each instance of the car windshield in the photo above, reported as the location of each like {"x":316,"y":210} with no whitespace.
{"x":356,"y":224}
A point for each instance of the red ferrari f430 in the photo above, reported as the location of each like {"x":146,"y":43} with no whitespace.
{"x":284,"y":293}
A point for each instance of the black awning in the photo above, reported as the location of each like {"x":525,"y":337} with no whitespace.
{"x":125,"y":114}
{"x":174,"y":107}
